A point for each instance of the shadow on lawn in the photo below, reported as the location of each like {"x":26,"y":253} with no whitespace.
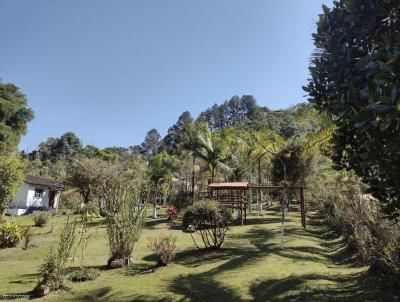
{"x":98,"y":294}
{"x":315,"y":287}
{"x":300,"y":287}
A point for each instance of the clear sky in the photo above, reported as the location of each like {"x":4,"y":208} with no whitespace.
{"x":111,"y":70}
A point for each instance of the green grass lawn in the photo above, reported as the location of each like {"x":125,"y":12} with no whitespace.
{"x":251,"y":266}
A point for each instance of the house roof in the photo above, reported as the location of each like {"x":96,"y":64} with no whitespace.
{"x":229,"y":185}
{"x":42,"y":181}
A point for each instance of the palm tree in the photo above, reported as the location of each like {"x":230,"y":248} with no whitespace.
{"x":239,"y":159}
{"x":191,"y":143}
{"x":213,"y":148}
{"x":264,"y":145}
{"x":161,"y":169}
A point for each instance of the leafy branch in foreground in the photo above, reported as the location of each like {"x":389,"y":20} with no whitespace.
{"x":52,"y":270}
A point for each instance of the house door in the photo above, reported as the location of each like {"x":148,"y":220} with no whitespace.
{"x":52,"y":195}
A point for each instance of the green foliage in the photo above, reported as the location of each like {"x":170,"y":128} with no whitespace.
{"x":66,"y":147}
{"x":11,"y":177}
{"x":151,"y":144}
{"x":181,"y":199}
{"x":164,"y":247}
{"x":357,"y":217}
{"x":210,"y":220}
{"x":176,"y":133}
{"x":119,"y":188}
{"x":14,"y":116}
{"x":83,"y":176}
{"x":263,"y":146}
{"x":289,"y":165}
{"x":70,"y":200}
{"x":52,"y":270}
{"x":27,"y":236}
{"x":10,"y":235}
{"x":40,"y":218}
{"x":108,"y":154}
{"x":161,"y":167}
{"x":355,"y":79}
{"x":214,"y":148}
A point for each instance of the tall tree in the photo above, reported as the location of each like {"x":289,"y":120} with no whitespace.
{"x":11,"y":177}
{"x":355,"y":78}
{"x":175,"y":133}
{"x":151,"y":143}
{"x":213,"y":148}
{"x":161,"y":168}
{"x":263,"y":145}
{"x":64,"y":147}
{"x":191,"y":143}
{"x":14,"y":117}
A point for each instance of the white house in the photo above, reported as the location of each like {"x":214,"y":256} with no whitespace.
{"x":34,"y":194}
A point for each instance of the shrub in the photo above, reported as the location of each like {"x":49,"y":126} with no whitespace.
{"x":84,"y":274}
{"x":172,"y":213}
{"x":125,"y":215}
{"x":10,"y":235}
{"x":164,"y":247}
{"x":359,"y":220}
{"x":210,"y":220}
{"x":182,"y":199}
{"x":52,"y":270}
{"x":70,"y":200}
{"x":27,"y":235}
{"x":40,"y":218}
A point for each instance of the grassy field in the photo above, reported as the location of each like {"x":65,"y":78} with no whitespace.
{"x":251,"y":266}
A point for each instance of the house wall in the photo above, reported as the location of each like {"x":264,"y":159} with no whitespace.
{"x":33,"y":201}
{"x":25,"y":197}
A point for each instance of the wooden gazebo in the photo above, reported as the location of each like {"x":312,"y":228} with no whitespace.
{"x":234,"y":195}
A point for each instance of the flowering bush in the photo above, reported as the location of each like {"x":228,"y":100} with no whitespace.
{"x":172,"y":213}
{"x":10,"y":235}
{"x":164,"y":247}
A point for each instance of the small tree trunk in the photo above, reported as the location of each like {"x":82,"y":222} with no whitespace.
{"x":259,"y":194}
{"x":193,"y":178}
{"x":155,"y":203}
{"x":250,"y":200}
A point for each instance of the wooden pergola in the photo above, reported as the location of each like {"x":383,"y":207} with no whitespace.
{"x":234,"y":195}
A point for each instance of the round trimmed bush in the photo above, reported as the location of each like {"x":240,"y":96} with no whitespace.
{"x":40,"y":218}
{"x":210,"y":220}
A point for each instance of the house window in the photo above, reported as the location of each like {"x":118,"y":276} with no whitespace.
{"x":39,"y":193}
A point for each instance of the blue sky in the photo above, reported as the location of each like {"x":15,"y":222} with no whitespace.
{"x":111,"y":70}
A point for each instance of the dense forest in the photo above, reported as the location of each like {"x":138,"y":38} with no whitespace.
{"x":238,"y":122}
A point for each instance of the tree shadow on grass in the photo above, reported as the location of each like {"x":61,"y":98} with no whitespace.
{"x":303,"y":287}
{"x":155,"y":223}
{"x":196,"y":258}
{"x":321,"y":288}
{"x":140,"y":268}
{"x":258,"y":220}
{"x":98,"y":294}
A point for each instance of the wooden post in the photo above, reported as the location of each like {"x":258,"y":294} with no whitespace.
{"x":241,"y":212}
{"x":243,"y":198}
{"x":303,"y":208}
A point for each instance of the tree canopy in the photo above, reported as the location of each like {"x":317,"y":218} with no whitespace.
{"x":355,"y":77}
{"x":14,"y":117}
